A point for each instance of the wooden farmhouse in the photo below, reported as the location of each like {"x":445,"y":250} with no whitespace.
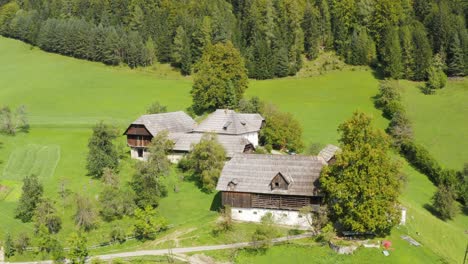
{"x":237,"y":133}
{"x":253,"y":185}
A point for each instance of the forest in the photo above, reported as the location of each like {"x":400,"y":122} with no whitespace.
{"x":400,"y":38}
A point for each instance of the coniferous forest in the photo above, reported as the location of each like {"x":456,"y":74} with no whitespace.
{"x":401,"y":38}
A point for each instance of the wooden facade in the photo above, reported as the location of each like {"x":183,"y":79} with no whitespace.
{"x":138,"y":136}
{"x":268,"y":201}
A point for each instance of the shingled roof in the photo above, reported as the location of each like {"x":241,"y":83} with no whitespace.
{"x":224,"y":121}
{"x":173,"y":122}
{"x":253,"y":173}
{"x":328,"y":152}
{"x":232,"y":144}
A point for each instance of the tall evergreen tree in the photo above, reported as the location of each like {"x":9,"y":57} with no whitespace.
{"x":456,"y":62}
{"x":407,"y":52}
{"x":148,"y":182}
{"x":422,"y":52}
{"x":31,"y":195}
{"x":102,"y":152}
{"x":391,"y":55}
{"x":310,"y":26}
{"x":181,"y":52}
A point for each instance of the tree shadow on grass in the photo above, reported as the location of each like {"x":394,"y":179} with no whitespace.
{"x":216,"y":204}
{"x":432,"y":210}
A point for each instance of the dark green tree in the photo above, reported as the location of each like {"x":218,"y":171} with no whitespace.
{"x":46,"y":215}
{"x":32,"y":191}
{"x":391,"y":55}
{"x":156,"y":108}
{"x":220,"y":67}
{"x":206,"y":160}
{"x":115,"y":203}
{"x":181,"y":53}
{"x":282,"y":131}
{"x":363,"y":185}
{"x":422,"y":52}
{"x":78,"y":250}
{"x":148,"y":223}
{"x":111,"y":48}
{"x":148,"y":182}
{"x":8,"y":246}
{"x":311,"y":28}
{"x":102,"y":152}
{"x":444,"y":202}
{"x":456,"y":62}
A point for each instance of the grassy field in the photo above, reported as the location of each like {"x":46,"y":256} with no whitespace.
{"x":65,"y":97}
{"x":440,"y":121}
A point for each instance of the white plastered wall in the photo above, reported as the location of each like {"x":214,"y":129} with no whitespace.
{"x":282,"y":217}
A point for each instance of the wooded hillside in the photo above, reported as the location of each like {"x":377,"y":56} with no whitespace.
{"x":399,"y":36}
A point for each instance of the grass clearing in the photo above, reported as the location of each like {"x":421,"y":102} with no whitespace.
{"x":32,"y":159}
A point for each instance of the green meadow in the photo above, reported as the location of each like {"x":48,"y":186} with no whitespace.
{"x":66,"y":96}
{"x":440,"y":121}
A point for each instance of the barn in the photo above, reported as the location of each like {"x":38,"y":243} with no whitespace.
{"x":253,"y":185}
{"x":236,"y":132}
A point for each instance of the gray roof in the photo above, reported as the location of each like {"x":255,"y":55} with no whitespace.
{"x":232,"y":144}
{"x":173,"y":122}
{"x":252,"y":173}
{"x":224,"y":121}
{"x":328,"y":152}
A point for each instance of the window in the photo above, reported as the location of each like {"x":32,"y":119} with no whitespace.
{"x":240,"y":211}
{"x":276,"y":184}
{"x":140,"y":153}
{"x":255,"y":212}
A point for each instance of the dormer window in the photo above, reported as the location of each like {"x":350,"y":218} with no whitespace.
{"x":280,"y":182}
{"x":232,"y":184}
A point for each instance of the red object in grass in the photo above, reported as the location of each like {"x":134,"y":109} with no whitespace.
{"x":386,"y":244}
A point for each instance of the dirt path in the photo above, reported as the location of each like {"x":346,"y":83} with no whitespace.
{"x":159,"y":252}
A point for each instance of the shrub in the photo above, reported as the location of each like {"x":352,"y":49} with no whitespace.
{"x":156,"y":108}
{"x":148,"y":223}
{"x":400,"y":129}
{"x":422,"y":160}
{"x":262,"y":238}
{"x":444,"y":202}
{"x":117,"y":234}
{"x":224,"y":223}
{"x":22,"y":242}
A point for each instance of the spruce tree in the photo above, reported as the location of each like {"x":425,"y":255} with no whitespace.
{"x":391,"y":55}
{"x":456,"y":61}
{"x":422,"y":52}
{"x":147,"y":182}
{"x":310,"y":26}
{"x":31,"y":195}
{"x":407,"y":52}
{"x":110,"y":54}
{"x":102,"y":152}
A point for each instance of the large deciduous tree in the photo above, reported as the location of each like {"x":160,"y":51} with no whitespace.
{"x":220,"y":69}
{"x":206,"y":160}
{"x":362,"y":187}
{"x":102,"y":152}
{"x":282,"y":131}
